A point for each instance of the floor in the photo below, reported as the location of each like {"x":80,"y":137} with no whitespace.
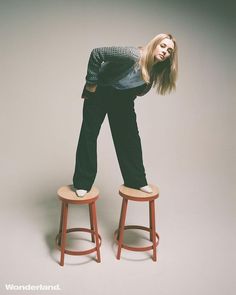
{"x":195,"y":255}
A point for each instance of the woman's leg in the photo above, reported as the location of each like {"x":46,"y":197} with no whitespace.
{"x":125,"y":134}
{"x":86,"y":153}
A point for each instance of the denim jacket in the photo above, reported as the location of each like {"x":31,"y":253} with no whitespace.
{"x":109,"y":65}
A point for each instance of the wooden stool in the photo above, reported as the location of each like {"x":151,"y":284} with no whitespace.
{"x":137,"y":196}
{"x":68,"y":196}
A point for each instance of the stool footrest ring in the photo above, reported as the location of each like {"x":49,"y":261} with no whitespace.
{"x":73,"y":252}
{"x":136,"y":248}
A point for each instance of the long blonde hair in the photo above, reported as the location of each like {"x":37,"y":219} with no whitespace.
{"x":163,"y":74}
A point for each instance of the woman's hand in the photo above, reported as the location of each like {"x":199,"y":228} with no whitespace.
{"x":91,"y":87}
{"x":89,"y":90}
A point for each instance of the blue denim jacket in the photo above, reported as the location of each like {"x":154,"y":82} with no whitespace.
{"x":116,"y":66}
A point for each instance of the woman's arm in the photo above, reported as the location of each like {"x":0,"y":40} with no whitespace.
{"x":104,"y":54}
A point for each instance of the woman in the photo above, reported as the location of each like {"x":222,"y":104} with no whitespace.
{"x":115,"y":77}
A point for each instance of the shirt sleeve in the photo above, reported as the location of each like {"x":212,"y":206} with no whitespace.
{"x":112,"y":54}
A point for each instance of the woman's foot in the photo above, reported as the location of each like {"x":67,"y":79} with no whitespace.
{"x":80,"y":192}
{"x":146,"y":189}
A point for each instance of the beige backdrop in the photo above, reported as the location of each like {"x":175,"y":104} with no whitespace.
{"x":188,"y":141}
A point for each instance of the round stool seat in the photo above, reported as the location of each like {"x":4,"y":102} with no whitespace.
{"x":67,"y":193}
{"x":138,"y":195}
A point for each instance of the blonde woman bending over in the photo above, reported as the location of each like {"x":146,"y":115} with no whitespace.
{"x":116,"y":75}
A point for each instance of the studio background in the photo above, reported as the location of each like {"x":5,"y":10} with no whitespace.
{"x":188,"y":141}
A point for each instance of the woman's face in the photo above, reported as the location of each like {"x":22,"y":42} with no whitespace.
{"x":163,"y":50}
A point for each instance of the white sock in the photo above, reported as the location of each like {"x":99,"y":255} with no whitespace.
{"x":146,"y":189}
{"x":80,"y":192}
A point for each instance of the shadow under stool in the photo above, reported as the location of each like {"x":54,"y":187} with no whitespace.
{"x":68,"y":196}
{"x":130,"y":194}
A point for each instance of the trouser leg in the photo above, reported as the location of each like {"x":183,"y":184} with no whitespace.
{"x":86,"y":153}
{"x":125,"y":134}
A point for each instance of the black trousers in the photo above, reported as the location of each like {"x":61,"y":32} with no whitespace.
{"x":119,"y":106}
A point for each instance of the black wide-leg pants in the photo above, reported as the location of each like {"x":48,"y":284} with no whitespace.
{"x":119,"y":106}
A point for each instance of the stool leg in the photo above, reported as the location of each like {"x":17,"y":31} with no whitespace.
{"x":91,"y":221}
{"x":60,"y":228}
{"x":121,"y":226}
{"x":94,"y":222}
{"x":150,"y":221}
{"x":63,"y":234}
{"x":153,"y":229}
{"x":122,"y":209}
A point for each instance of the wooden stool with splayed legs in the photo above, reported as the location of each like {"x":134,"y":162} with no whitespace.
{"x":129,"y":194}
{"x":68,"y":196}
